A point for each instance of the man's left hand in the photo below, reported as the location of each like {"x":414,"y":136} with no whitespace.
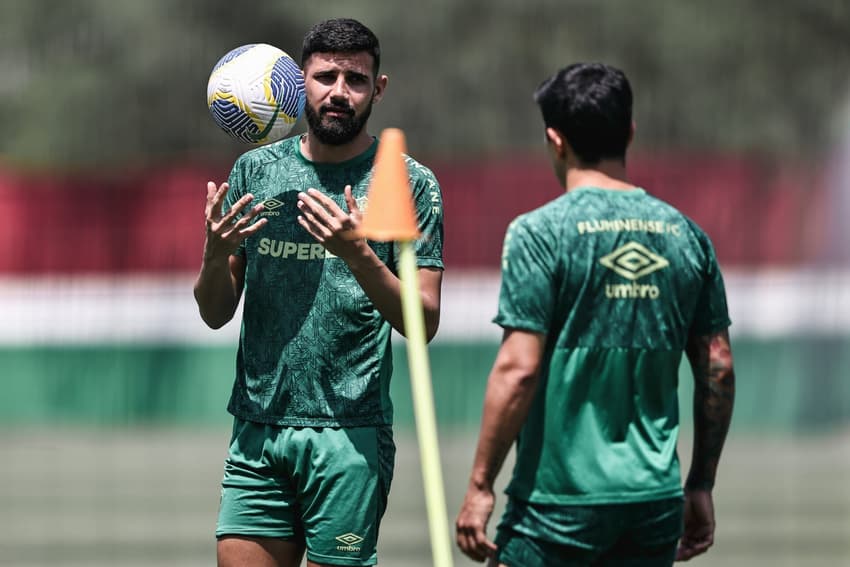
{"x":332,"y":227}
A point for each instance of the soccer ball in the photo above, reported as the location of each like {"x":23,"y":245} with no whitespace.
{"x":256,"y":93}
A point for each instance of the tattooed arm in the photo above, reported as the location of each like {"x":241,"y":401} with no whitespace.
{"x":714,"y":395}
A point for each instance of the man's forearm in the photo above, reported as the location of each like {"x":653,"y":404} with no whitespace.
{"x":503,"y":417}
{"x":384,"y":290}
{"x":215,"y":293}
{"x":714,"y":396}
{"x":511,"y":389}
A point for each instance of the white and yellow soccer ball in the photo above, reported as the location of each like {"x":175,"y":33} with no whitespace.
{"x":255,"y":93}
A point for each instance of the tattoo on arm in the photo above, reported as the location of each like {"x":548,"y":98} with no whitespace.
{"x":714,"y":395}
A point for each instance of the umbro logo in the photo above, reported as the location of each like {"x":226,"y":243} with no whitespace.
{"x":272,"y":204}
{"x":349,"y":539}
{"x":269,"y":206}
{"x":349,"y":542}
{"x":633,"y":261}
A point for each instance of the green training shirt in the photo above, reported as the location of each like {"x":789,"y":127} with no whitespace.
{"x":313,"y":349}
{"x":616,"y":280}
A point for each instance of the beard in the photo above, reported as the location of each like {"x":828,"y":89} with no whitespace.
{"x":336,"y":130}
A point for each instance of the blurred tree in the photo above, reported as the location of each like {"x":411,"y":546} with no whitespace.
{"x":96,"y":82}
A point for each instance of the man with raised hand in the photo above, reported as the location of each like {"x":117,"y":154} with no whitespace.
{"x":311,"y":457}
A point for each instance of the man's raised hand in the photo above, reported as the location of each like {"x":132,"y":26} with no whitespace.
{"x":226,"y":232}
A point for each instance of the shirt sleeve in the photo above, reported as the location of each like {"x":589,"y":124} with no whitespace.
{"x":428,"y":202}
{"x":711,"y":314}
{"x":527,"y":293}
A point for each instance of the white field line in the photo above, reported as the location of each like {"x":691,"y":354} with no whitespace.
{"x":160,"y":308}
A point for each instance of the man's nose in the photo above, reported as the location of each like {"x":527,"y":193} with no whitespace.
{"x":340,"y":88}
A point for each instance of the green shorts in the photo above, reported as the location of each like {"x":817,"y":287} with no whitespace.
{"x":641,"y":534}
{"x":325,"y":486}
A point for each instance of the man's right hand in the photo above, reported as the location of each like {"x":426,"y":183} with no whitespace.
{"x":226,"y":232}
{"x":699,"y":524}
{"x":471,"y":524}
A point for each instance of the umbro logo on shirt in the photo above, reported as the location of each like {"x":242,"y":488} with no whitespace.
{"x":269,"y":206}
{"x":633,"y":261}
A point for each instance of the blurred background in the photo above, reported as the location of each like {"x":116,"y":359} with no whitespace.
{"x":112,"y":391}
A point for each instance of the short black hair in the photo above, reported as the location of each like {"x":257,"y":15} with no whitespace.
{"x":341,"y":35}
{"x":590,"y":104}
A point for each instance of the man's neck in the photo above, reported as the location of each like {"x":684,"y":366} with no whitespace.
{"x":314,"y":150}
{"x":605,"y":175}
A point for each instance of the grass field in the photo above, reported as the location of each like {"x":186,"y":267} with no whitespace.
{"x":148,"y":497}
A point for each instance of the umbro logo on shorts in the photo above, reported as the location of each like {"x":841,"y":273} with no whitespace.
{"x":349,"y":542}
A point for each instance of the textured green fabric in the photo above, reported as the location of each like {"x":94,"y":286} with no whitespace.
{"x":616,"y":280}
{"x":325,"y":485}
{"x":313,"y":348}
{"x":641,"y":534}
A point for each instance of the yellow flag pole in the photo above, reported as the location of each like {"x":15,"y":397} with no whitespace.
{"x":423,"y":407}
{"x":390,"y":215}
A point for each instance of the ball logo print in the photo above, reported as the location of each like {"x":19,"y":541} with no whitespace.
{"x":255,"y":93}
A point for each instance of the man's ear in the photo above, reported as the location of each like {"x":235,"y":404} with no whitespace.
{"x":632,"y":131}
{"x":380,"y":87}
{"x":557,"y":141}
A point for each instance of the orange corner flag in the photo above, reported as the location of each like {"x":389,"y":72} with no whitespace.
{"x":390,"y":214}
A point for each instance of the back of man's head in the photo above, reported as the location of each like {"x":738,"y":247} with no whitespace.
{"x":590,"y":104}
{"x":342,"y":35}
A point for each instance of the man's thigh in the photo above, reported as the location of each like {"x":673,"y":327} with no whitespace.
{"x":535,"y":535}
{"x":343,"y":478}
{"x":651,"y":537}
{"x":663,"y":555}
{"x":323,"y":488}
{"x":243,"y":551}
{"x":258,"y":498}
{"x":516,"y":549}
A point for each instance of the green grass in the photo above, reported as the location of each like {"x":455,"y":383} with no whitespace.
{"x":132,"y":497}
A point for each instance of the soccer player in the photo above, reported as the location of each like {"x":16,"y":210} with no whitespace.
{"x":603,"y":288}
{"x":311,"y":456}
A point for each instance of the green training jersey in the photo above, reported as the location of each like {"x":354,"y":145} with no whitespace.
{"x":616,"y":280}
{"x":313,"y":349}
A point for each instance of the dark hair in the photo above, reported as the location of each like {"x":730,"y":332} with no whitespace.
{"x":342,"y":35}
{"x":591,"y":105}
